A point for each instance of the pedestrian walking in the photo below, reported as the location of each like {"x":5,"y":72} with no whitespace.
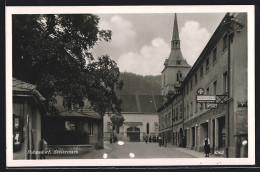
{"x":146,"y":139}
{"x":160,"y":141}
{"x":206,"y":147}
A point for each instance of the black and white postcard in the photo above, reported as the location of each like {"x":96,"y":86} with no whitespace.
{"x":130,"y":86}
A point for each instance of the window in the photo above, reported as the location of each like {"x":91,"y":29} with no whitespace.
{"x":201,"y":71}
{"x":196,"y":106}
{"x":176,"y":114}
{"x":224,"y":42}
{"x":191,"y":108}
{"x":188,"y":110}
{"x":215,"y":88}
{"x":225,"y":83}
{"x":164,"y":79}
{"x":147,"y":128}
{"x":180,"y":111}
{"x":207,"y":64}
{"x":184,"y":110}
{"x":170,"y":120}
{"x":190,"y":84}
{"x":207,"y":91}
{"x":214,"y":55}
{"x":196,"y":78}
{"x":187,"y":89}
{"x":91,"y":132}
{"x":201,"y":106}
{"x":179,"y":76}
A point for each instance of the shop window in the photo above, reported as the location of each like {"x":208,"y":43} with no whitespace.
{"x":201,"y":106}
{"x":70,"y":125}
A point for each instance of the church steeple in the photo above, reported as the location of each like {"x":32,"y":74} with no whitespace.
{"x":175,"y":35}
{"x":175,"y":66}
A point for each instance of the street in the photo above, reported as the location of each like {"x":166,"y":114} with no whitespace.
{"x":124,"y":150}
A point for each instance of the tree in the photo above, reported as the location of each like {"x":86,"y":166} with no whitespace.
{"x":53,"y":52}
{"x":117,"y":120}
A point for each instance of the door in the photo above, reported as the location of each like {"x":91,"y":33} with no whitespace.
{"x":133,"y":133}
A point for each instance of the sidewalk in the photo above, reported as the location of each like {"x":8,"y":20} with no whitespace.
{"x":196,"y":153}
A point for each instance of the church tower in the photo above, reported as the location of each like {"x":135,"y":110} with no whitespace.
{"x":175,"y":66}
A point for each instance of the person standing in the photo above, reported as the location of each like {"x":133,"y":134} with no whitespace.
{"x":206,"y":147}
{"x":160,"y":141}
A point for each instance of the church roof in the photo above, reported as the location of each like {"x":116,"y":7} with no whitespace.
{"x":141,"y":103}
{"x":176,"y":58}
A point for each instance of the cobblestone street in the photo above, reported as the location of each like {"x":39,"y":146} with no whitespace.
{"x":136,"y":150}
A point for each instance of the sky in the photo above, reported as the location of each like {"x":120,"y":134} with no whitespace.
{"x":141,"y":42}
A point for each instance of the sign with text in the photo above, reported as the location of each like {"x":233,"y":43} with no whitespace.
{"x":206,"y":99}
{"x":211,"y":105}
{"x":242,"y":104}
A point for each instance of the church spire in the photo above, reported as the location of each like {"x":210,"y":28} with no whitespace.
{"x":175,"y":36}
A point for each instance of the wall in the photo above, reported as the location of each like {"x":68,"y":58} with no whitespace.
{"x":150,"y":118}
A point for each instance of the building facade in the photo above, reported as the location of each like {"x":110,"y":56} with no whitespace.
{"x":220,"y":71}
{"x":73,"y":128}
{"x":28,"y":111}
{"x":141,"y":119}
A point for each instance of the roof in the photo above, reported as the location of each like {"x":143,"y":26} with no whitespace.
{"x":141,"y":103}
{"x":175,"y":35}
{"x":84,"y":113}
{"x":79,"y":113}
{"x":24,"y":88}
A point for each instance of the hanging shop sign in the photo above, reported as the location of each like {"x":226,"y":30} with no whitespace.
{"x":206,"y":99}
{"x":211,"y":105}
{"x":242,"y":104}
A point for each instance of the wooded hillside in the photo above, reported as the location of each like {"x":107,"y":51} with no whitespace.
{"x":138,"y":84}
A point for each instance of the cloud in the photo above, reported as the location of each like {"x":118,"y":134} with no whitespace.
{"x":149,"y":61}
{"x":123,"y":32}
{"x":193,"y":39}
